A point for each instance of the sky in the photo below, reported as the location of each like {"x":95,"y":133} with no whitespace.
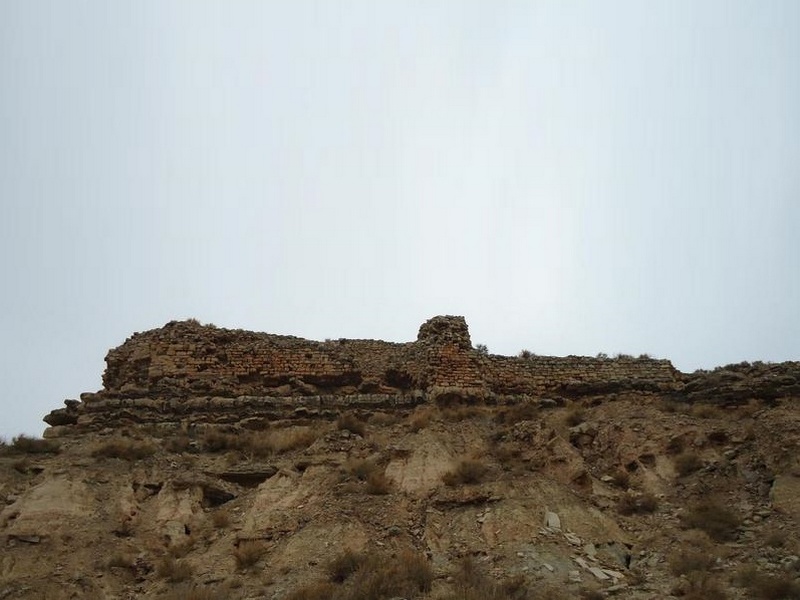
{"x":573,"y":177}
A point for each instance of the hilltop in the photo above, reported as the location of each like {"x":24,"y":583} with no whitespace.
{"x":220,"y":463}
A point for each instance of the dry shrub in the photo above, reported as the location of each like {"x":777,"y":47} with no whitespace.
{"x":260,"y":444}
{"x":316,"y":591}
{"x":344,"y":565}
{"x":676,"y":445}
{"x":630,"y":504}
{"x":361,"y":468}
{"x":194,"y":593}
{"x":690,"y":560}
{"x":221,"y":518}
{"x":407,"y":574}
{"x":383,"y":419}
{"x":173,"y":570}
{"x":248,"y":553}
{"x":768,"y":587}
{"x":702,"y":586}
{"x":124,"y":448}
{"x":718,"y":521}
{"x":349,"y":422}
{"x":120,"y":561}
{"x":378,"y":484}
{"x":466,"y":472}
{"x":421,"y":418}
{"x":371,"y":577}
{"x":181,"y":548}
{"x":704,"y":411}
{"x":687,"y":463}
{"x":621,"y":478}
{"x":472,"y":584}
{"x":24,"y":444}
{"x":179,"y":444}
{"x":524,"y":411}
{"x":506,"y":452}
{"x":219,"y":441}
{"x":454,"y":414}
{"x":575,"y":416}
{"x":776,"y":539}
{"x":296,"y":438}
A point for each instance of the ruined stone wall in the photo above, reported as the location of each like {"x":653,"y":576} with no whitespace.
{"x":578,"y":375}
{"x":186,"y":364}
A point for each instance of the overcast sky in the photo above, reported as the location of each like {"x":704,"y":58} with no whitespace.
{"x":572,"y":177}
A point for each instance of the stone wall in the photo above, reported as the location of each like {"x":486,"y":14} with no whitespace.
{"x":185,"y":363}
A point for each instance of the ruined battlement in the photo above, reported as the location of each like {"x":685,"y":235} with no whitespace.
{"x":186,"y":369}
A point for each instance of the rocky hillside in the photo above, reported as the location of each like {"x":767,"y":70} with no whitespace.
{"x":365,"y":470}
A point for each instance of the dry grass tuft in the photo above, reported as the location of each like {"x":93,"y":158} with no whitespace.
{"x":221,"y":518}
{"x":262,"y":443}
{"x":717,"y":520}
{"x":630,"y":504}
{"x":120,"y":561}
{"x":516,"y":413}
{"x":466,"y":472}
{"x":25,"y":444}
{"x":378,"y":484}
{"x":687,"y":463}
{"x":421,"y":418}
{"x":173,"y":570}
{"x":248,"y":553}
{"x":471,"y":583}
{"x":575,"y":416}
{"x":195,"y":593}
{"x":124,"y":448}
{"x":349,"y":422}
{"x":371,"y":577}
{"x":344,"y":565}
{"x":361,"y":468}
{"x":768,"y":587}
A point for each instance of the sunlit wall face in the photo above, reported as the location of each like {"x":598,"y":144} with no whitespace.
{"x":573,"y":177}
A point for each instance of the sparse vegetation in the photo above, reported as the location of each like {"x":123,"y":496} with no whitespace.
{"x":687,"y":463}
{"x":173,"y":570}
{"x":776,"y":587}
{"x":421,"y":418}
{"x":353,"y":576}
{"x":195,"y":593}
{"x":248,"y":553}
{"x":124,"y":448}
{"x":120,"y":561}
{"x":221,"y":518}
{"x":630,"y":504}
{"x":575,"y":416}
{"x":378,"y":484}
{"x":515,"y":413}
{"x":344,"y":565}
{"x":471,"y":583}
{"x":704,"y":411}
{"x":25,"y":444}
{"x":260,"y":443}
{"x":361,"y":468}
{"x":466,"y":472}
{"x":349,"y":422}
{"x":482,"y":349}
{"x":621,"y":478}
{"x":718,"y":521}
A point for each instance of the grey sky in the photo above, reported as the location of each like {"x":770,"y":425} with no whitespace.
{"x":573,"y":177}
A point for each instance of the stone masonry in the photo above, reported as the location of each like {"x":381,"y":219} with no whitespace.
{"x":186,"y":370}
